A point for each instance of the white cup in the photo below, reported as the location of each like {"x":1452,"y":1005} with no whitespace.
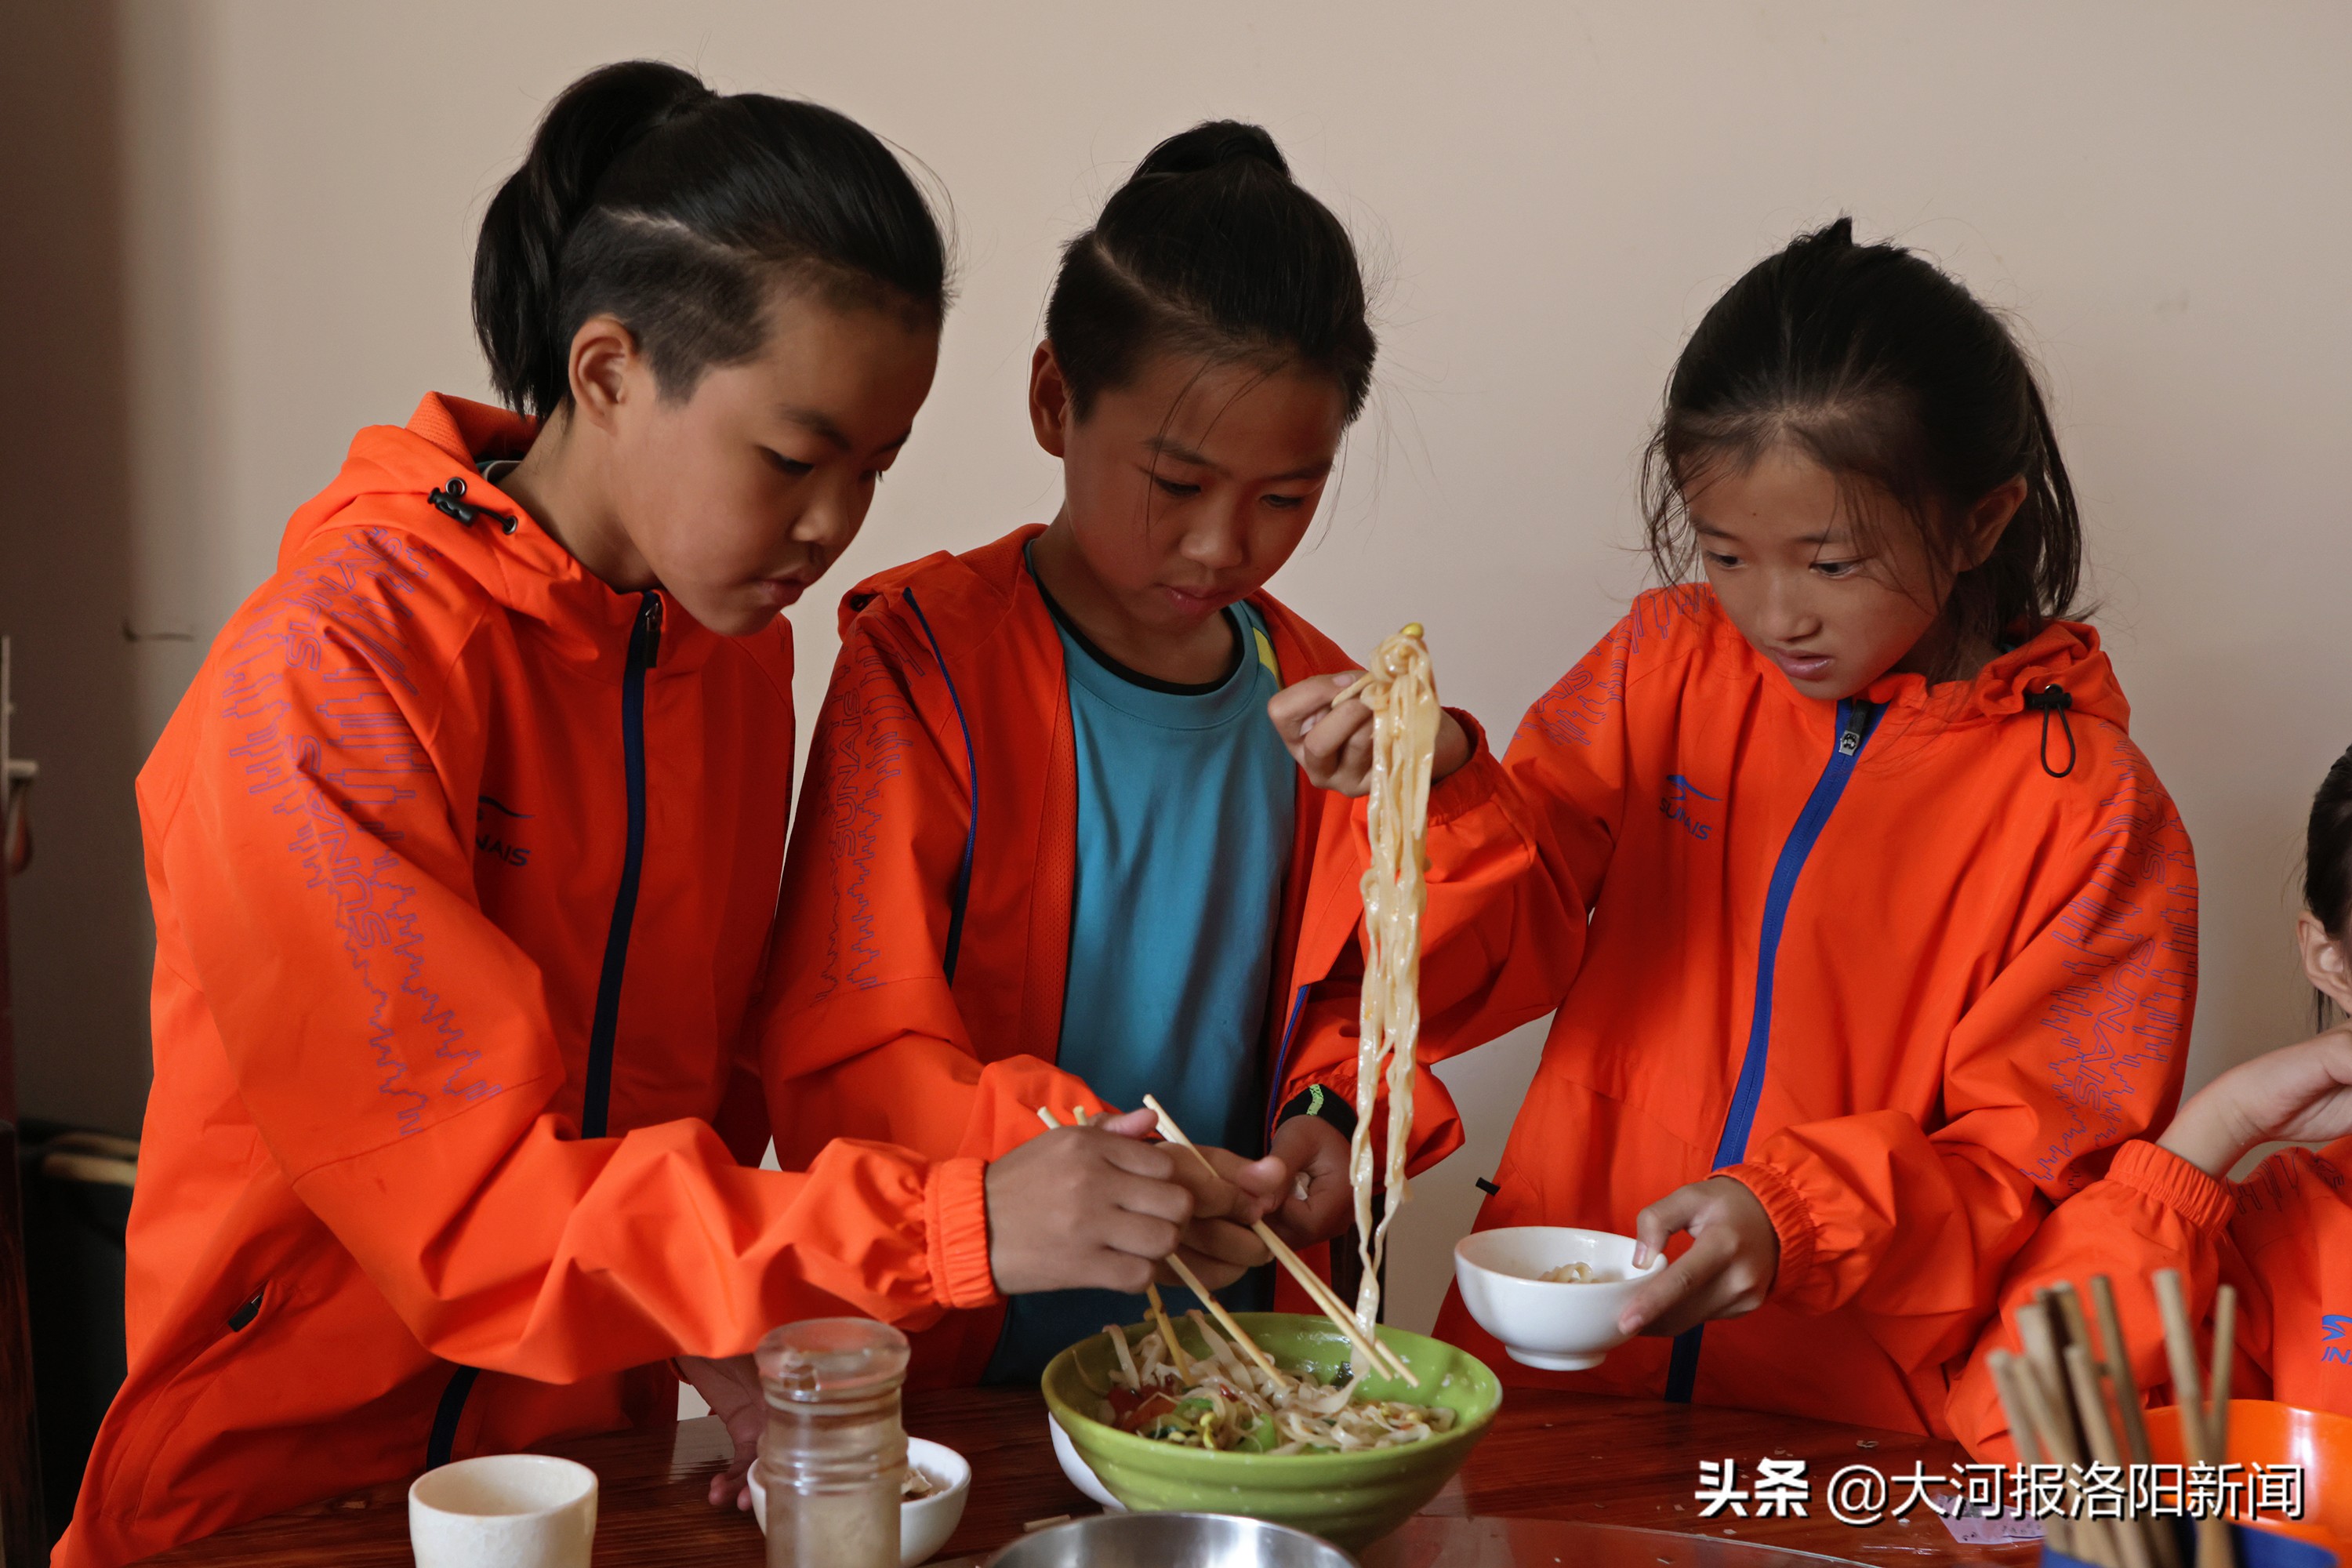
{"x":503,"y":1511}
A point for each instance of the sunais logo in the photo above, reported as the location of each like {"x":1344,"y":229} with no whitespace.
{"x":494,"y":831}
{"x":2331,"y":1328}
{"x":1681,"y":800}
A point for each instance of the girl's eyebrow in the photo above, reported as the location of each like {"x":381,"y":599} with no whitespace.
{"x":1168,"y":447}
{"x":1700,"y":525}
{"x":819,"y":424}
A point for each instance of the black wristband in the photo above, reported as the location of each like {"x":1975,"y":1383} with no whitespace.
{"x":1322,"y":1104}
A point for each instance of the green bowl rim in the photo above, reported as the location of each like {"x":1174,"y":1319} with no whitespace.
{"x":1467,"y":1429}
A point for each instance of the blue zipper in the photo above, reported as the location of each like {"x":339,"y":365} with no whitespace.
{"x":1855,"y":721}
{"x":1282,"y":1058}
{"x":595,"y":1103}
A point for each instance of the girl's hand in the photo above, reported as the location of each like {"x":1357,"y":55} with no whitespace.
{"x":2302,"y":1093}
{"x":731,"y":1388}
{"x":1311,"y":1149}
{"x":1333,"y":746}
{"x":1727,"y":1270}
{"x":1098,"y":1208}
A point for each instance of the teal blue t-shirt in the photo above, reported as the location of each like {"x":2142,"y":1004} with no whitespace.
{"x":1186,"y":807}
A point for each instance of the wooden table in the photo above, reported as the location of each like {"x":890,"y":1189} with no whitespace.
{"x":1549,"y":1456}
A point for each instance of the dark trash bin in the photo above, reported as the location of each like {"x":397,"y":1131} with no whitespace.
{"x":77,"y":1194}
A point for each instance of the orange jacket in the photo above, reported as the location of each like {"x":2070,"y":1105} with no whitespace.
{"x":464,"y":867}
{"x":2283,"y":1237}
{"x":932,"y":868}
{"x":1873,"y":960}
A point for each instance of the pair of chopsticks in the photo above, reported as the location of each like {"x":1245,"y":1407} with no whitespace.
{"x":2057,"y":1394}
{"x":1216,"y":1308}
{"x":1377,"y":1357}
{"x":1371,"y":1354}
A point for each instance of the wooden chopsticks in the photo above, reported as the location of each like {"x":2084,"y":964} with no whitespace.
{"x":1216,"y":1308}
{"x":2204,"y":1430}
{"x":1376,"y":1356}
{"x":2057,"y":1396}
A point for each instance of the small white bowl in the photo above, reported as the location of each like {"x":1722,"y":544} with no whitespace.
{"x":1082,"y":1475}
{"x":924,"y":1523}
{"x":503,"y":1511}
{"x":1554,"y":1325}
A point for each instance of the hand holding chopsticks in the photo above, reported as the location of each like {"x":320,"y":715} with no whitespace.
{"x":1191,"y":1282}
{"x":1375,"y":1356}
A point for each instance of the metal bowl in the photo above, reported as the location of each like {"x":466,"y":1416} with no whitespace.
{"x":1171,"y":1541}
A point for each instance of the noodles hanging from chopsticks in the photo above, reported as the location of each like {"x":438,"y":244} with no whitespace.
{"x":1399,"y":691}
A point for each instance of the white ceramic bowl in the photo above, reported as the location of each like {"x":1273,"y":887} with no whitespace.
{"x":1556,"y":1326}
{"x":1082,"y":1475}
{"x":503,"y":1511}
{"x":924,"y":1523}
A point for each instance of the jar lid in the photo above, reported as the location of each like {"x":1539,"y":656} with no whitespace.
{"x":830,"y":1358}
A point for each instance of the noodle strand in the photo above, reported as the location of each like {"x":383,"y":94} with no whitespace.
{"x":1401,"y":692}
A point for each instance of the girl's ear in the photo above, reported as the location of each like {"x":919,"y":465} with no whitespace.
{"x":605,"y":365}
{"x":1989,"y":519}
{"x":2324,"y":963}
{"x":1050,"y":414}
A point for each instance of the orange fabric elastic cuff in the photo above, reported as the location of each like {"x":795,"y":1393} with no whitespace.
{"x":2167,"y":1179}
{"x":1471,"y":784}
{"x":955,"y":1214}
{"x":1792,"y":1218}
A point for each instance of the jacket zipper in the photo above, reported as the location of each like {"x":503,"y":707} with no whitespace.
{"x":645,"y":648}
{"x":1855,"y":721}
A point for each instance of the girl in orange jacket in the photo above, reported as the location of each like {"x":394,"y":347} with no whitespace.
{"x":1045,"y":811}
{"x":463,"y":848}
{"x":2283,"y":1237}
{"x":1892,"y":929}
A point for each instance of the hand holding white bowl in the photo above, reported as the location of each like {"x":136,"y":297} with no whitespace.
{"x":1558,"y":1326}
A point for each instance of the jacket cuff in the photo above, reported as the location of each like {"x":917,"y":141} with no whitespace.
{"x":2164,"y":1177}
{"x":1791,"y":1215}
{"x":1470,"y":785}
{"x":955,"y":1214}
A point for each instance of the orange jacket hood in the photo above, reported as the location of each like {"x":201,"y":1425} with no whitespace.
{"x":1909,"y":966}
{"x":500,"y":548}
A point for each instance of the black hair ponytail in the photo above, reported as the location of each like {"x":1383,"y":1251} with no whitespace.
{"x":2327,"y":851}
{"x":1211,"y":248}
{"x":650,"y":197}
{"x":1884,"y":370}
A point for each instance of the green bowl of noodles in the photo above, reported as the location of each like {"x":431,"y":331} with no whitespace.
{"x":1352,"y":1497}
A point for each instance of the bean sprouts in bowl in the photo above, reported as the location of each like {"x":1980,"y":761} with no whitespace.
{"x":1347,"y":1457}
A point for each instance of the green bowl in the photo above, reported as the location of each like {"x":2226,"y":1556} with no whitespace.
{"x":1351,"y":1498}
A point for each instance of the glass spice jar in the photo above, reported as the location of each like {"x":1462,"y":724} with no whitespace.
{"x":834,"y":1453}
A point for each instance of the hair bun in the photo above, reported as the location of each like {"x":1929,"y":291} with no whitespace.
{"x":1210,"y":144}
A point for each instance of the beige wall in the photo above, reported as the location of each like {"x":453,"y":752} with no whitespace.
{"x":1555,"y":193}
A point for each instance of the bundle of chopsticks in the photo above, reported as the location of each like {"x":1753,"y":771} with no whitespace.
{"x":2071,"y":1402}
{"x":1372,"y":1357}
